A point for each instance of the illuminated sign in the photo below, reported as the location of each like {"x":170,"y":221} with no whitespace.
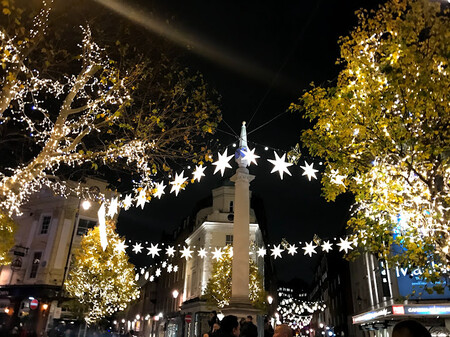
{"x":398,"y":309}
{"x":427,"y":310}
{"x":368,"y":316}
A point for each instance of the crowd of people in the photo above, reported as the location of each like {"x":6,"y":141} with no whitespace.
{"x":230,"y":326}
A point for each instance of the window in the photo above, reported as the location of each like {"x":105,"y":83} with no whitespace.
{"x":35,"y":266}
{"x":84,"y":225}
{"x":229,"y":240}
{"x":231,"y":207}
{"x":45,"y":224}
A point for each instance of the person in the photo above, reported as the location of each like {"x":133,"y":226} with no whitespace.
{"x":229,"y":327}
{"x":410,"y":328}
{"x":249,"y":329}
{"x":213,"y":319}
{"x":214,"y":331}
{"x":283,"y":330}
{"x":268,"y":330}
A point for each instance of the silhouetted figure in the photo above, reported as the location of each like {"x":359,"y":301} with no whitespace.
{"x":229,"y":327}
{"x":249,"y":329}
{"x":410,"y":328}
{"x":283,"y":330}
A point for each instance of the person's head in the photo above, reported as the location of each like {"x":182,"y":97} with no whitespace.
{"x":215,"y":327}
{"x":213,"y":313}
{"x":410,"y":328}
{"x":230,"y":325}
{"x":249,"y":318}
{"x":283,"y":330}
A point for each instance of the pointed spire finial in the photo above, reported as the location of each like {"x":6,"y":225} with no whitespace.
{"x":242,"y":162}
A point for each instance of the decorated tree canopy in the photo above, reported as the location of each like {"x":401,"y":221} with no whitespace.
{"x":67,"y":105}
{"x":7,"y":229}
{"x":383,"y":132}
{"x":101,"y":281}
{"x":218,"y":288}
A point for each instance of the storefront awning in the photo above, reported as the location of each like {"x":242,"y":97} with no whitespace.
{"x":403,"y":310}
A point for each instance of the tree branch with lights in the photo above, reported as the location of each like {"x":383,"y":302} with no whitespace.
{"x":383,"y":131}
{"x":130,"y":115}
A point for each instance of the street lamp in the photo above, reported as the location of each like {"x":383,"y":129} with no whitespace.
{"x":269,"y":299}
{"x":175,"y":293}
{"x":44,"y":306}
{"x":86,"y":204}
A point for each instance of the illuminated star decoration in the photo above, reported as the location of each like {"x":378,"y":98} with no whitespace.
{"x":326,"y":246}
{"x":175,"y":269}
{"x":120,"y":246}
{"x":217,"y":254}
{"x":164,"y":264}
{"x":137,"y":248}
{"x":142,"y":198}
{"x":126,"y":203}
{"x":112,"y":210}
{"x":170,"y":251}
{"x":152,"y":278}
{"x":202,"y":252}
{"x":102,"y":226}
{"x":336,"y":178}
{"x":309,"y":171}
{"x":310,"y":249}
{"x":198,"y":173}
{"x":276,"y":251}
{"x":186,"y":252}
{"x":222,"y":162}
{"x":250,"y":156}
{"x":262,"y":252}
{"x":153,"y":250}
{"x":178,"y":182}
{"x":169,"y":268}
{"x":158,"y":272}
{"x":292,"y":249}
{"x":280,"y":165}
{"x":345,"y":245}
{"x":159,"y":190}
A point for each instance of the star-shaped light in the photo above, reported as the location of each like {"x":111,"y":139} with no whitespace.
{"x":336,"y":178}
{"x":262,"y":252}
{"x":142,"y":198}
{"x":202,"y":252}
{"x":137,"y":248}
{"x":250,"y":156}
{"x":198,"y":173}
{"x":158,"y":272}
{"x":152,"y":278}
{"x":160,"y":189}
{"x":280,"y":165}
{"x":310,"y":248}
{"x":186,"y":252}
{"x":326,"y":246}
{"x":120,"y":246}
{"x":345,"y":245}
{"x":112,"y":210}
{"x":169,"y":268}
{"x":102,"y":226}
{"x":164,"y":264}
{"x":222,"y":162}
{"x":178,"y":182}
{"x":153,"y":250}
{"x":309,"y":171}
{"x":217,"y":254}
{"x":126,"y":203}
{"x":175,"y":269}
{"x":292,"y":249}
{"x":276,"y":251}
{"x":170,"y":251}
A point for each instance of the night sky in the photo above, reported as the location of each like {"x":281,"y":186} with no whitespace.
{"x":276,"y":49}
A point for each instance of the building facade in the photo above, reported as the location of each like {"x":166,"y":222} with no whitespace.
{"x":48,"y":229}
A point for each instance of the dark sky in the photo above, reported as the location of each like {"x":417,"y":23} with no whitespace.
{"x":293,"y":43}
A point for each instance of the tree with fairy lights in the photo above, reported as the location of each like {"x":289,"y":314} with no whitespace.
{"x":7,"y":229}
{"x":101,"y":281}
{"x":75,"y":110}
{"x":384,"y":134}
{"x":218,"y":288}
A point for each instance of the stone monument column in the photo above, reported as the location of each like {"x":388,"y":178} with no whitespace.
{"x":240,"y":304}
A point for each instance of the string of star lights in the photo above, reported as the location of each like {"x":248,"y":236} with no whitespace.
{"x":340,"y":244}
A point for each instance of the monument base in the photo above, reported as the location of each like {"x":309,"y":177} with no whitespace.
{"x":241,"y":307}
